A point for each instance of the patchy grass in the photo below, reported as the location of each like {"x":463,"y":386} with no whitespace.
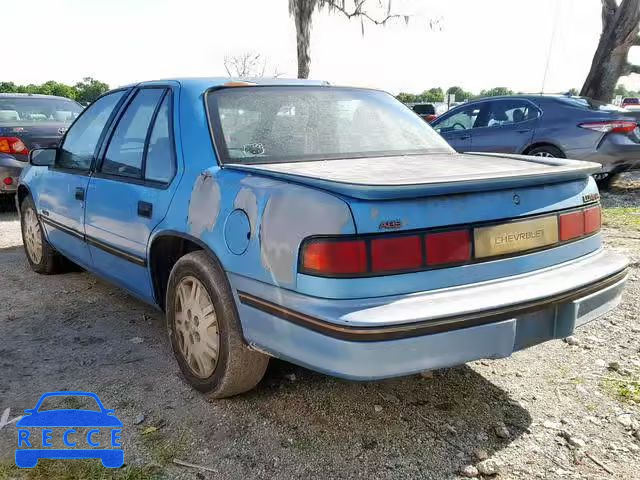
{"x":162,"y":448}
{"x":624,"y":389}
{"x":77,"y":470}
{"x":621,"y":217}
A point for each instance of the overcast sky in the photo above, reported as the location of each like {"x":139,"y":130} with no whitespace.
{"x":479,"y":43}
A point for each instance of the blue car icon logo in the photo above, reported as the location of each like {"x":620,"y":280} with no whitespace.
{"x":69,"y":433}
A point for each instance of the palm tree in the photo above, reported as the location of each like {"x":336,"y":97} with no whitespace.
{"x":302,"y":12}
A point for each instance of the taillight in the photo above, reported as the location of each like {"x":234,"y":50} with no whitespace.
{"x":396,"y":253}
{"x":7,"y":181}
{"x":571,"y":225}
{"x":13,"y":145}
{"x":331,"y":257}
{"x":448,"y":247}
{"x":592,"y":219}
{"x":613,"y":126}
{"x":393,"y":253}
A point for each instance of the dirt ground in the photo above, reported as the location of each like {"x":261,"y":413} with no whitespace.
{"x":556,"y":411}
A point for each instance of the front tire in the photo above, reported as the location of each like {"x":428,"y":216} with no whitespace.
{"x":41,"y":256}
{"x":205,"y":331}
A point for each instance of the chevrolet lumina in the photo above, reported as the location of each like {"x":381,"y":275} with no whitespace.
{"x":327,"y":226}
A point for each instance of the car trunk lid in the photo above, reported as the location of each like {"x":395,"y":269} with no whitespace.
{"x":387,"y":178}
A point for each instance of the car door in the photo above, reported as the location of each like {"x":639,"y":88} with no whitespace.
{"x":457,"y":125}
{"x":509,"y":127}
{"x":61,"y":199}
{"x":130,"y":191}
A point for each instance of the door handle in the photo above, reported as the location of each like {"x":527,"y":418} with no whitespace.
{"x":524,"y":130}
{"x":79,"y":193}
{"x":465,"y":137}
{"x":145,"y":209}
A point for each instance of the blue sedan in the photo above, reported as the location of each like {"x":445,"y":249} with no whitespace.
{"x":327,"y":226}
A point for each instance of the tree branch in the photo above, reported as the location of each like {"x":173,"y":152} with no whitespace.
{"x":358,"y":11}
{"x":633,"y":68}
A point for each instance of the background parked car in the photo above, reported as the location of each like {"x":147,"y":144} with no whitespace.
{"x":27,"y":122}
{"x":426,"y":111}
{"x":547,"y":126}
{"x":631,"y":103}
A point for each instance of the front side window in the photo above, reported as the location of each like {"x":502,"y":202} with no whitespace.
{"x":304,"y":123}
{"x":81,"y":140}
{"x":126,"y":148}
{"x":464,"y":119}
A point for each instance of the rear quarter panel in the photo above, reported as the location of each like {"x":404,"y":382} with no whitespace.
{"x":558,"y":126}
{"x":279,"y":214}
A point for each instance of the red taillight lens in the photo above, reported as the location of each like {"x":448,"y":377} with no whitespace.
{"x":571,"y":225}
{"x":615,"y":126}
{"x":7,"y":181}
{"x":396,"y":253}
{"x":592,"y":220}
{"x":13,"y":145}
{"x":448,"y":247}
{"x":332,"y":257}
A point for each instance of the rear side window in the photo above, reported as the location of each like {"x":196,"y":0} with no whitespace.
{"x":126,"y":148}
{"x":82,"y":139}
{"x":160,"y":164}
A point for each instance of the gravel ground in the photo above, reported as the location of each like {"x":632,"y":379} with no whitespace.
{"x":556,"y":411}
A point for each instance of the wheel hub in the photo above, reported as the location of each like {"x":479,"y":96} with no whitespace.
{"x":32,"y":236}
{"x":196,"y":327}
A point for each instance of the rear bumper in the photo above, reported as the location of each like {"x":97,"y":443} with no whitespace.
{"x":392,"y":336}
{"x":614,"y":154}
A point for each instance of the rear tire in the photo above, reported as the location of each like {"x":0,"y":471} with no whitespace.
{"x":548,"y":151}
{"x":605,"y":182}
{"x":40,"y":254}
{"x":205,"y":331}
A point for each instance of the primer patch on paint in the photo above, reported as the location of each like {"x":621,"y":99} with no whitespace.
{"x":246,"y":200}
{"x":292,"y":215}
{"x":204,"y":206}
{"x":374,"y":213}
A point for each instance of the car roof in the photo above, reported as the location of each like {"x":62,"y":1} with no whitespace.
{"x":32,"y":95}
{"x":205,"y":83}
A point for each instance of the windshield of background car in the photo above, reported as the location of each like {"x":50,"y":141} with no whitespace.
{"x":33,"y":110}
{"x":301,"y":123}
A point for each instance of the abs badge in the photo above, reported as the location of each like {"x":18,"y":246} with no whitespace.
{"x":69,"y":433}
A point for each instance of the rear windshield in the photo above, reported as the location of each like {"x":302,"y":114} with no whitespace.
{"x":303,"y":123}
{"x":30,"y":110}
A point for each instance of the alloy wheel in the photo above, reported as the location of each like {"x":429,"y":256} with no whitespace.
{"x":543,"y":154}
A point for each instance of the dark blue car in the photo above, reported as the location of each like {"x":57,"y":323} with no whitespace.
{"x":37,"y":431}
{"x":546,"y":126}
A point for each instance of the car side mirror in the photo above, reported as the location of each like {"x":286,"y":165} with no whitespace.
{"x":43,"y":157}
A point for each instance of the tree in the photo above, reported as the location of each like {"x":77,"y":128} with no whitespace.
{"x":460,"y":93}
{"x":620,"y":24}
{"x":302,"y":13}
{"x":496,"y":91}
{"x":247,"y":64}
{"x":89,"y":89}
{"x":432,"y":95}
